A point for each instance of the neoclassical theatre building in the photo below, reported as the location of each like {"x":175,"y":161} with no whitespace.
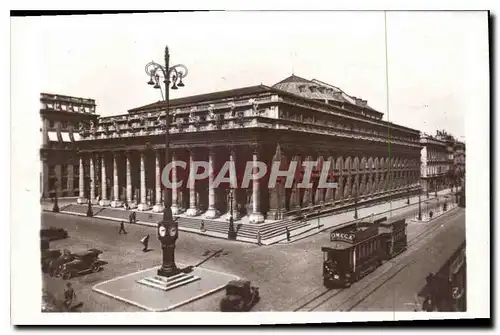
{"x":294,"y":120}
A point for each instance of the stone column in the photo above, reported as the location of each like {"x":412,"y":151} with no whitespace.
{"x":339,"y":192}
{"x":256,"y":216}
{"x":92,"y":180}
{"x":175,"y":191}
{"x":307,"y":198}
{"x":211,"y":212}
{"x":321,"y":193}
{"x":130,"y":199}
{"x":81,"y":184}
{"x":143,"y":205}
{"x":116,"y":186}
{"x":104,"y":191}
{"x":58,"y":185}
{"x":192,"y":210}
{"x":294,"y":203}
{"x":70,"y":180}
{"x":158,"y":207}
{"x":45,"y":177}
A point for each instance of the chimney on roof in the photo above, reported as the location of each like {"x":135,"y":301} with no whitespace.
{"x":329,"y":91}
{"x":364,"y":103}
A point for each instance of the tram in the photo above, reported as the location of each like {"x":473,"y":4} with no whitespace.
{"x":360,"y":248}
{"x":393,"y":238}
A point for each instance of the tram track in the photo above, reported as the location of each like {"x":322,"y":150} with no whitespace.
{"x":416,"y":257}
{"x":328,"y":294}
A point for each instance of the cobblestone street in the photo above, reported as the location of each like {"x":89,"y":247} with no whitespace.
{"x":284,"y":272}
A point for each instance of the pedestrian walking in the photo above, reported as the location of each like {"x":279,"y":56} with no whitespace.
{"x":69,"y":295}
{"x":150,"y":217}
{"x":122,"y":228}
{"x":202,"y":226}
{"x":145,"y":242}
{"x":134,"y":217}
{"x":287,"y":234}
{"x":131,"y":218}
{"x":259,"y":238}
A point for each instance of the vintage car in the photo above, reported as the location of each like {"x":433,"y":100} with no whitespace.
{"x":240,"y":296}
{"x":53,"y":233}
{"x":48,"y":256}
{"x":44,"y":243}
{"x":78,"y":263}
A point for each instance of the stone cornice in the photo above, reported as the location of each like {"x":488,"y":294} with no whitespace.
{"x":249,"y":113}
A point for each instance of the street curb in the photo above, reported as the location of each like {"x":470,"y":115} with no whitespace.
{"x":283,"y":241}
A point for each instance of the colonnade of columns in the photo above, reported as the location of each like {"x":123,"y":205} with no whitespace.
{"x":139,"y":199}
{"x":357,"y":177}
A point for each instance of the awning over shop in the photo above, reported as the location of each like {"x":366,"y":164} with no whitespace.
{"x":53,"y":136}
{"x":65,"y":137}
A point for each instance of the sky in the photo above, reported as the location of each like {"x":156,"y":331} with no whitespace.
{"x":430,"y":57}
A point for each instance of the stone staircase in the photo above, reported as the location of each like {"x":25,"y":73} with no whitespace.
{"x":248,"y":231}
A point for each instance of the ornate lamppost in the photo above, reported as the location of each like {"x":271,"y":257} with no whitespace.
{"x":88,"y":181}
{"x":231,"y":233}
{"x":167,"y":228}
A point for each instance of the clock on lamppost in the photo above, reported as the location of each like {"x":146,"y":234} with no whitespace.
{"x":168,"y":234}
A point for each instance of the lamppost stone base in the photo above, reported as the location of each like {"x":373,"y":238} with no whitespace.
{"x":132,"y":204}
{"x":81,"y":200}
{"x":256,"y":217}
{"x":168,"y":283}
{"x":143,"y":207}
{"x":116,"y":203}
{"x":158,"y":208}
{"x":192,"y":212}
{"x":211,"y":213}
{"x":175,"y":209}
{"x":104,"y":203}
{"x":144,"y":290}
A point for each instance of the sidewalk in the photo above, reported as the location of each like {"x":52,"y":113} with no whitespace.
{"x":303,"y":230}
{"x":398,"y":207}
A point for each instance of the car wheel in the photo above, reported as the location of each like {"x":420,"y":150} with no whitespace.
{"x":95,"y":268}
{"x":66,"y":275}
{"x":58,"y":273}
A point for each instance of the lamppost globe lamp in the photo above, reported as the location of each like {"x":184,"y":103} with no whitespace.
{"x":167,"y":228}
